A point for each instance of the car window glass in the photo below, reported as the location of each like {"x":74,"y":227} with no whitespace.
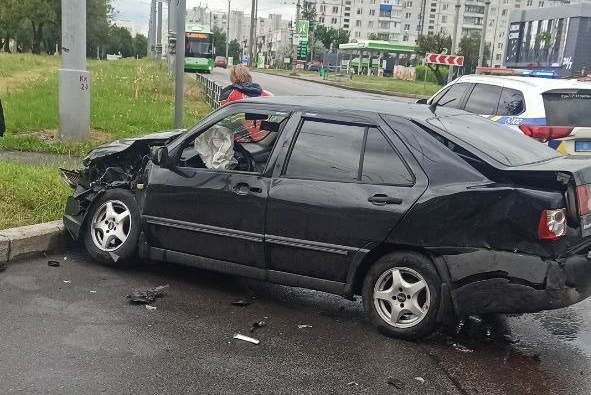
{"x":511,"y":102}
{"x":439,"y":95}
{"x":327,"y":151}
{"x":381,"y":162}
{"x":453,"y":97}
{"x":484,"y":99}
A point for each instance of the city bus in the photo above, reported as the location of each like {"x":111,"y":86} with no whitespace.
{"x":199,"y":52}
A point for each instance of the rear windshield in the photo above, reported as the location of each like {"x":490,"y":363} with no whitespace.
{"x":495,"y":141}
{"x":568,"y":108}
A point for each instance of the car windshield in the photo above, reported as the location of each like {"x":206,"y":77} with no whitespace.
{"x":497,"y":142}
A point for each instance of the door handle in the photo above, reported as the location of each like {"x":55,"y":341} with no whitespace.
{"x":243,"y":188}
{"x":382,"y":200}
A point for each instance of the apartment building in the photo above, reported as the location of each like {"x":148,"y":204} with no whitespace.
{"x":219,"y":18}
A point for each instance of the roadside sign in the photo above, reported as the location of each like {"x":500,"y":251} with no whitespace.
{"x":303,"y":50}
{"x":449,"y":60}
{"x":302,"y":27}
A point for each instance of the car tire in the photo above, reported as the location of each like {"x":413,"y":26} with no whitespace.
{"x":408,"y":285}
{"x":113,"y":227}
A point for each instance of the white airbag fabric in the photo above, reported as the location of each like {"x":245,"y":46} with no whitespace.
{"x":216,"y":148}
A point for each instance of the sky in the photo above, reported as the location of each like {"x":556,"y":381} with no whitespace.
{"x":138,"y":11}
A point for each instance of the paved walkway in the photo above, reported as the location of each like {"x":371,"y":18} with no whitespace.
{"x":38,"y":158}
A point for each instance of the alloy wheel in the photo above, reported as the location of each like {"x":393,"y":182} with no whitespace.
{"x":111,"y":225}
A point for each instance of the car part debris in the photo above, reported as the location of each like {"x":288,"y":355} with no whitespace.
{"x":2,"y":266}
{"x":114,"y":257}
{"x":67,"y":281}
{"x":147,"y":295}
{"x":92,"y":292}
{"x":304,"y":326}
{"x":397,"y":383}
{"x":461,"y":348}
{"x":242,"y":302}
{"x":53,"y":263}
{"x":420,"y":380}
{"x":257,"y":325}
{"x":352,"y":383}
{"x":238,"y":336}
{"x":151,"y":308}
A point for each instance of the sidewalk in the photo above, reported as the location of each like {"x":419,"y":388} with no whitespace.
{"x":39,"y":158}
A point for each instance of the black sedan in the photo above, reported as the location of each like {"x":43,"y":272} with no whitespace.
{"x":426,"y":212}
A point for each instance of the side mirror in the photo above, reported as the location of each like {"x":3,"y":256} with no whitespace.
{"x":422,"y":101}
{"x":159,"y":156}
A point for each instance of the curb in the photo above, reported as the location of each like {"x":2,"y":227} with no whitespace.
{"x":19,"y":243}
{"x":385,"y":93}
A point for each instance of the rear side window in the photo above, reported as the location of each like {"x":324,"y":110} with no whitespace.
{"x":511,"y":102}
{"x":326,"y":151}
{"x":568,"y":108}
{"x":484,"y":99}
{"x":381,"y":162}
{"x":453,"y":97}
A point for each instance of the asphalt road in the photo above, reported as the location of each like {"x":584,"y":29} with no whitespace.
{"x":58,"y":337}
{"x":283,"y":86}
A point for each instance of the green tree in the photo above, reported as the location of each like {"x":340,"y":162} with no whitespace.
{"x":469,"y":48}
{"x":140,"y":45}
{"x":234,"y":51}
{"x":39,"y":13}
{"x":99,"y":14}
{"x":373,"y":36}
{"x":120,"y":41}
{"x":434,"y":43}
{"x":328,"y":36}
{"x":309,"y":14}
{"x":10,"y":18}
{"x":219,"y":41}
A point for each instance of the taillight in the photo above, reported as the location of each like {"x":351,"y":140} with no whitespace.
{"x":545,"y":133}
{"x":584,"y":199}
{"x":552,"y":224}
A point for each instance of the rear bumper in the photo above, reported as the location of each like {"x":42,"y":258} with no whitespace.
{"x":566,"y":282}
{"x":197,"y":67}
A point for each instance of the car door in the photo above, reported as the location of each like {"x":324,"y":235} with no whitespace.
{"x":213,"y":213}
{"x":339,"y":187}
{"x":483,"y":99}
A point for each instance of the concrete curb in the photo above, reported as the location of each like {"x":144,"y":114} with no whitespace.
{"x":25,"y":241}
{"x":385,"y":93}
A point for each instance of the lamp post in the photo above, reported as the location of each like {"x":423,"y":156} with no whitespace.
{"x":454,"y":43}
{"x":483,"y":35}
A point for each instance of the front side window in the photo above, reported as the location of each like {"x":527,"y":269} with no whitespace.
{"x":326,"y":151}
{"x":484,"y":99}
{"x":453,"y":96}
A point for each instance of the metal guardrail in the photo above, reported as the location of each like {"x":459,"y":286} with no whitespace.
{"x":211,"y":90}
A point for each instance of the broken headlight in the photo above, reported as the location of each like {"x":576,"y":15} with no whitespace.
{"x":70,"y":177}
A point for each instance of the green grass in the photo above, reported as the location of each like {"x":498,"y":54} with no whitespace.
{"x":378,"y":84}
{"x":14,"y":63}
{"x":30,"y":194}
{"x":128,"y":98}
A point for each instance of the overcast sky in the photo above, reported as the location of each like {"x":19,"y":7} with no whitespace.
{"x":138,"y":11}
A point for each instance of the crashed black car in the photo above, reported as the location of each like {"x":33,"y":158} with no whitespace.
{"x":426,"y":212}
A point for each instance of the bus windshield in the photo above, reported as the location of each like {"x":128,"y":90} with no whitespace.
{"x":198,"y":45}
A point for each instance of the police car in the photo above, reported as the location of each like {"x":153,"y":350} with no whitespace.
{"x":554,"y":111}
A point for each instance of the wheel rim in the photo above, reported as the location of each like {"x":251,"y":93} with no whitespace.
{"x":111,"y":225}
{"x":401,"y":297}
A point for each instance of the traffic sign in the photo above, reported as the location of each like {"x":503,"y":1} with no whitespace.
{"x":449,"y":60}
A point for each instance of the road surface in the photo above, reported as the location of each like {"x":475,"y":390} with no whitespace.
{"x":71,"y":330}
{"x":282,"y":86}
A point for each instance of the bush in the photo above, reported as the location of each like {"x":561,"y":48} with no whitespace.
{"x":420,"y":74}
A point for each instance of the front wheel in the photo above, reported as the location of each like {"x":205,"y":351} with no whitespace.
{"x":113,"y":228}
{"x":401,"y":295}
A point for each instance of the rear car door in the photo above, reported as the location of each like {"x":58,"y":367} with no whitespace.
{"x":483,"y":99}
{"x":339,"y":188}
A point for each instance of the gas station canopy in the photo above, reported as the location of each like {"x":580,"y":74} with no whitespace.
{"x":376,"y":45}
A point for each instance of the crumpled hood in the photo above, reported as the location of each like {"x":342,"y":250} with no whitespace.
{"x":140,"y":144}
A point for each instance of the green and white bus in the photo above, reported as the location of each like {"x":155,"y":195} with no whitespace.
{"x":199,"y":53}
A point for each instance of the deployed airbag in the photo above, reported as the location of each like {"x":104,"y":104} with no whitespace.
{"x":216,"y":148}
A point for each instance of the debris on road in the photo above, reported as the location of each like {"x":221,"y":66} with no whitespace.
{"x":304,"y":326}
{"x":420,"y":380}
{"x":65,"y":258}
{"x":238,"y":336}
{"x":353,"y":383}
{"x":2,"y":266}
{"x":151,"y":308}
{"x":53,"y":263}
{"x":67,"y":281}
{"x":114,"y":256}
{"x":147,"y":295}
{"x":92,"y":292}
{"x":461,"y":348}
{"x":397,"y":383}
{"x":241,"y":302}
{"x":257,"y":325}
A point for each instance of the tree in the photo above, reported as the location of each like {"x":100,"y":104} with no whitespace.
{"x":309,"y":14}
{"x":328,"y":36}
{"x":219,"y":41}
{"x":434,"y":43}
{"x":140,"y":45}
{"x":373,"y":36}
{"x":99,"y":14}
{"x":40,"y":13}
{"x":469,"y":48}
{"x":234,"y":51}
{"x":120,"y":41}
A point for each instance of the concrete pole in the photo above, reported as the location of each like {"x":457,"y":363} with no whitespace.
{"x":159,"y":33}
{"x":180,"y":64}
{"x":251,"y":37}
{"x":171,"y":31}
{"x":294,"y":47}
{"x":228,"y":30}
{"x":152,"y":36}
{"x":74,"y":81}
{"x":454,"y":43}
{"x":483,"y":34}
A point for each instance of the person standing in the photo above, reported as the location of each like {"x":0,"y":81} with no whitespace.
{"x":241,"y":87}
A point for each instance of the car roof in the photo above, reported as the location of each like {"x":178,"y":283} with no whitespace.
{"x":335,"y":103}
{"x":524,"y":83}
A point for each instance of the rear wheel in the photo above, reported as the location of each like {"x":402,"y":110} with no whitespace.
{"x":401,"y":295}
{"x":113,"y":228}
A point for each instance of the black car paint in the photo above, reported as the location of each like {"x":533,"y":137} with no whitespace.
{"x":276,"y":230}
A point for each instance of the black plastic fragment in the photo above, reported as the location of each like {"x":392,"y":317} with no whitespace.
{"x":242,"y":302}
{"x":147,"y":295}
{"x":397,"y":383}
{"x":257,"y":325}
{"x":53,"y":263}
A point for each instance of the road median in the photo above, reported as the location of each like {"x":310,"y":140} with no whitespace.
{"x":25,"y":241}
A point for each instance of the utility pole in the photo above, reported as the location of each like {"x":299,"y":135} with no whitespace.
{"x":179,"y":95}
{"x":74,"y":81}
{"x":454,"y":43}
{"x":171,"y":36}
{"x":251,"y":39}
{"x":483,"y":34}
{"x":228,"y":30}
{"x":152,"y":30}
{"x":256,"y":23}
{"x":159,"y":33}
{"x":294,"y":47}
